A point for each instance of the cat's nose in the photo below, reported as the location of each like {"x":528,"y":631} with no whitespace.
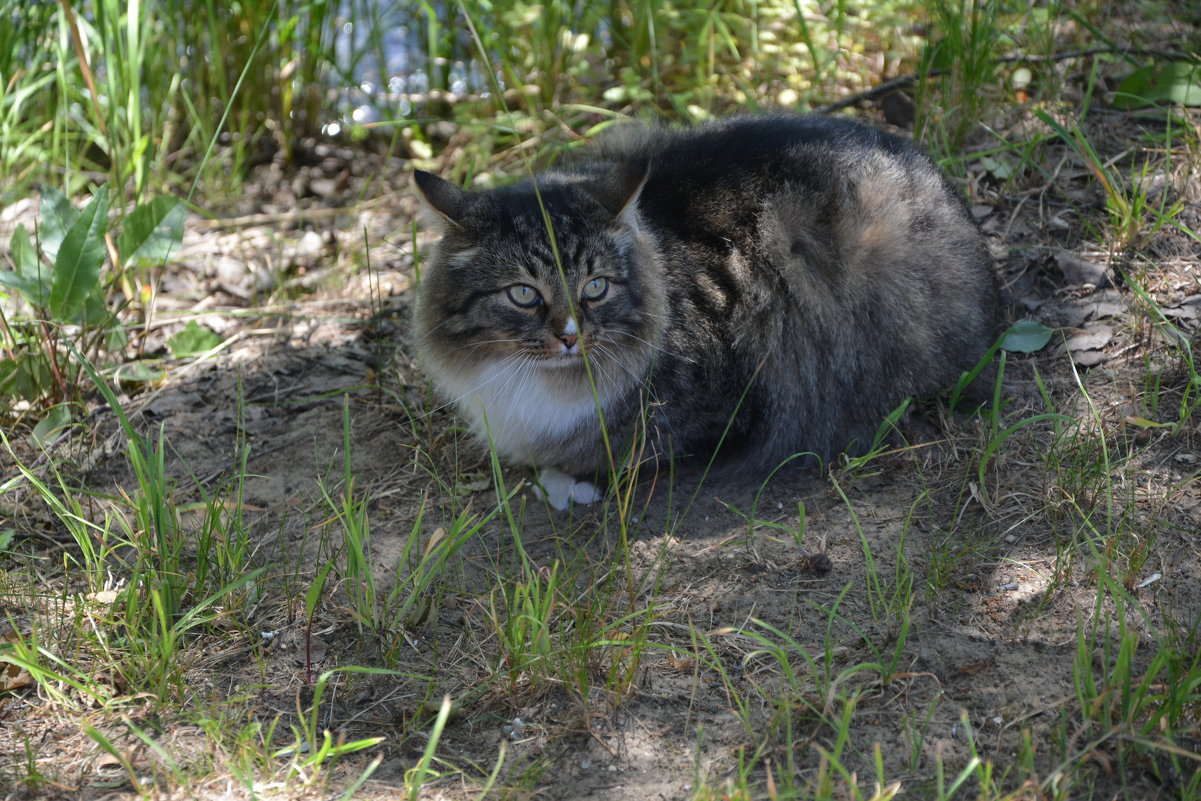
{"x":570,"y":334}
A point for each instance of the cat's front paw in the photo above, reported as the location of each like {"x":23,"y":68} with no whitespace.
{"x":561,"y":490}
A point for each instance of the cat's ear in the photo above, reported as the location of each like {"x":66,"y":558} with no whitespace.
{"x":442,"y":196}
{"x":618,"y":191}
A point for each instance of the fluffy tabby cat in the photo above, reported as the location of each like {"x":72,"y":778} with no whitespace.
{"x":797,"y":275}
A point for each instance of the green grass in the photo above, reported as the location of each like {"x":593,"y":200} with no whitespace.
{"x":313,"y":641}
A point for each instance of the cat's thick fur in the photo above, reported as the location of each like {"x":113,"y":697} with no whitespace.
{"x":798,"y":276}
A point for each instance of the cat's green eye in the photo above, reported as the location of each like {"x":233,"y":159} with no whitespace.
{"x":524,"y":295}
{"x":596,"y":289}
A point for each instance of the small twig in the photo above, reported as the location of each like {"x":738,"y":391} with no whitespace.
{"x":902,"y":81}
{"x":875,"y":92}
{"x":299,"y":215}
{"x":51,"y":340}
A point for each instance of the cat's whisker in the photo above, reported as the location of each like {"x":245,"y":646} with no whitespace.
{"x":659,"y":348}
{"x":483,"y":342}
{"x":596,"y":362}
{"x":611,"y":357}
{"x":524,"y":367}
{"x":444,"y":322}
{"x":511,"y":357}
{"x":652,"y":397}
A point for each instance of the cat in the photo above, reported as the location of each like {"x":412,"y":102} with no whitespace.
{"x":777,"y":283}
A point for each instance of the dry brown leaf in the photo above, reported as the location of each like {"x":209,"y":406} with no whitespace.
{"x":14,"y":677}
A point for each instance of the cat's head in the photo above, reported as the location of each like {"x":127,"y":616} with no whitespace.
{"x":535,"y":274}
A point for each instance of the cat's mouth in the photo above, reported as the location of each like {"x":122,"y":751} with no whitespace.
{"x":565,"y":351}
{"x":563,"y":359}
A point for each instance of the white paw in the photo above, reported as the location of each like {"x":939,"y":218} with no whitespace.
{"x":586,"y":492}
{"x":561,"y":490}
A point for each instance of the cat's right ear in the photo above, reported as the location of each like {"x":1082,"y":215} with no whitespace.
{"x":618,"y":191}
{"x":442,"y":196}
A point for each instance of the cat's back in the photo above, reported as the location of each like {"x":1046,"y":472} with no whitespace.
{"x":721,"y":176}
{"x":832,"y":264}
{"x":748,"y":147}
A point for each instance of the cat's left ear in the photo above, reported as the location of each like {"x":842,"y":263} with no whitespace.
{"x":442,"y":196}
{"x":618,"y":191}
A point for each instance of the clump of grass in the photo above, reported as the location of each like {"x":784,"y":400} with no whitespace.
{"x":959,"y":63}
{"x":123,"y":89}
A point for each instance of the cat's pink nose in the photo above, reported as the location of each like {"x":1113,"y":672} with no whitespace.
{"x":569,"y":339}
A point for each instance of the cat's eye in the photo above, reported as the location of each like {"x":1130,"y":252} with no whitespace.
{"x":524,"y":295}
{"x":596,"y":289}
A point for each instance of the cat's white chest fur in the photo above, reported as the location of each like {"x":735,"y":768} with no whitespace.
{"x":521,"y":408}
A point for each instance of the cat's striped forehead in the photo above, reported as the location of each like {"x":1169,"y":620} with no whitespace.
{"x":515,"y":228}
{"x":557,"y":195}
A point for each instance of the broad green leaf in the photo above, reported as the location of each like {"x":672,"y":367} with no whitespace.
{"x":1026,"y":336}
{"x":10,"y":378}
{"x":1133,"y":89}
{"x":25,"y":257}
{"x":1180,"y":83}
{"x":28,"y":376}
{"x":58,"y":215}
{"x":115,"y":337}
{"x":152,"y":232}
{"x":142,"y":371}
{"x":999,"y":168}
{"x":1177,"y":82}
{"x":192,"y":340}
{"x":52,"y":426}
{"x":77,"y":266}
{"x":93,"y":313}
{"x":34,"y":290}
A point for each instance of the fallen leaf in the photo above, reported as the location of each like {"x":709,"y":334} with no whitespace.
{"x":192,"y":341}
{"x":1143,"y":422}
{"x":975,"y":667}
{"x":1091,"y":339}
{"x":313,"y":653}
{"x":1026,"y":336}
{"x":438,"y":535}
{"x":435,"y":706}
{"x":1089,"y":358}
{"x":1078,"y":271}
{"x":1100,"y":305}
{"x":14,"y":677}
{"x":475,"y":482}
